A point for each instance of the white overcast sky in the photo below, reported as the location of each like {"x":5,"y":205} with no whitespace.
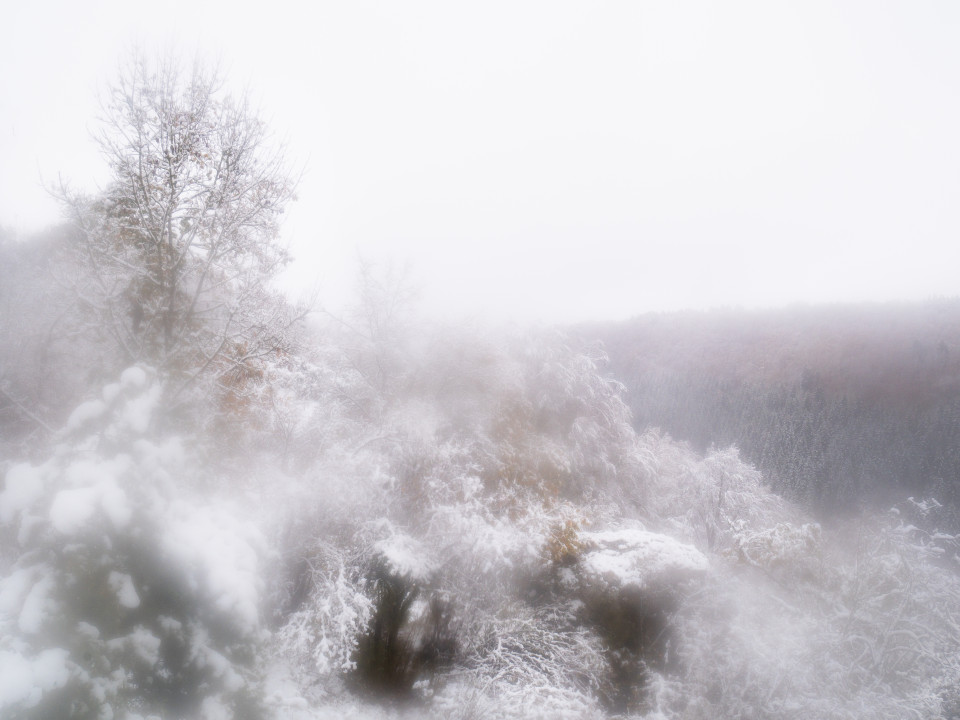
{"x":554,"y":161}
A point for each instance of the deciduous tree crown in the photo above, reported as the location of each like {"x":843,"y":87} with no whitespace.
{"x":181,"y":245}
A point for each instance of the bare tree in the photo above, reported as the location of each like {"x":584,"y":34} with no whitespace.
{"x":179,"y":249}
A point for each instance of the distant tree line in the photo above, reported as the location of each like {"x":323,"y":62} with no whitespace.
{"x":840,"y":408}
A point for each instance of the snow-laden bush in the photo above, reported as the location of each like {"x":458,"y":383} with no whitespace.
{"x":481,"y":457}
{"x":526,"y":664}
{"x":130,"y":595}
{"x":900,"y":608}
{"x":856,"y":622}
{"x":707,"y":500}
{"x":323,"y":633}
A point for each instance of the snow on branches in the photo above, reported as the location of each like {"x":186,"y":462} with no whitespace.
{"x":175,"y":256}
{"x":129,"y":594}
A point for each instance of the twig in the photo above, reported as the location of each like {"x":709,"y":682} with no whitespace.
{"x":26,"y":412}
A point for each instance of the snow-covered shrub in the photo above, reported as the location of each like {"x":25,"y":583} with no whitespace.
{"x":323,"y":633}
{"x":526,"y":664}
{"x":745,"y":648}
{"x":800,"y":622}
{"x":129,"y":596}
{"x":388,"y":652}
{"x":793,"y":553}
{"x":709,"y":500}
{"x":634,"y":558}
{"x":629,"y":582}
{"x":475,"y":465}
{"x":900,"y":607}
{"x":374,"y":613}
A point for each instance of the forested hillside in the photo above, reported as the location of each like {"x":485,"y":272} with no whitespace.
{"x":841,"y":407}
{"x":218,"y":504}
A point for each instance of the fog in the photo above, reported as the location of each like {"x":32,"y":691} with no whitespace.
{"x":555,"y":161}
{"x":551,"y":360}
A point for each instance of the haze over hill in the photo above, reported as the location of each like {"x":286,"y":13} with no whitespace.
{"x":840,"y":406}
{"x":220,"y":501}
